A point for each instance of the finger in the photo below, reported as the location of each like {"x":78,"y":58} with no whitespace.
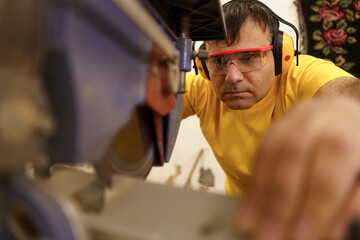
{"x":274,"y":146}
{"x":350,"y":212}
{"x":248,"y":215}
{"x":284,"y":189}
{"x":325,"y":195}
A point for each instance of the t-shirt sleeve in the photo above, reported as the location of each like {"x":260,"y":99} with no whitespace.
{"x":313,"y":73}
{"x":195,"y":96}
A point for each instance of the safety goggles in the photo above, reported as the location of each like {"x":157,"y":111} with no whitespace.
{"x":245,"y":60}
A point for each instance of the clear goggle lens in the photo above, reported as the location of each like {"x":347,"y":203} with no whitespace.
{"x":245,"y":61}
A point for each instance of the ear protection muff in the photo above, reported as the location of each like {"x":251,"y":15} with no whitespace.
{"x":283,"y":51}
{"x":283,"y":48}
{"x":200,"y":64}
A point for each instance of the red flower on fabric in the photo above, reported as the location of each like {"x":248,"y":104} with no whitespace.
{"x":357,"y":5}
{"x":335,"y":36}
{"x":331,"y":14}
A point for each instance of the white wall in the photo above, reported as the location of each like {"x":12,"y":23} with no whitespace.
{"x":189,"y":143}
{"x":190,"y":140}
{"x":286,"y":9}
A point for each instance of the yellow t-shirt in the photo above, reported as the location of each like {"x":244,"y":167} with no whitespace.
{"x":235,"y":135}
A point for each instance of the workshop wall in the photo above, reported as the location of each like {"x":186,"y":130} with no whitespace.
{"x":192,"y":154}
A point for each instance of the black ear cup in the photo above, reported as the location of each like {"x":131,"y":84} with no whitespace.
{"x":277,"y":51}
{"x":283,"y":50}
{"x":200,"y":63}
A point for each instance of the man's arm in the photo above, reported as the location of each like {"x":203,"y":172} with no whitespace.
{"x":306,"y":179}
{"x":341,"y":86}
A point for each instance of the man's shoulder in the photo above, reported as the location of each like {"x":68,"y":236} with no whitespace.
{"x":308,"y":64}
{"x":309,"y":76}
{"x":199,"y":94}
{"x":309,"y":59}
{"x":193,"y":77}
{"x":195,"y":82}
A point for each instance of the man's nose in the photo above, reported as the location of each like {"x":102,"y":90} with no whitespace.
{"x":233,"y":74}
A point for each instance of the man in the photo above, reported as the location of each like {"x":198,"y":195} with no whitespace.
{"x":304,"y":171}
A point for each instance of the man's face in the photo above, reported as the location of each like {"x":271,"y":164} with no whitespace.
{"x":241,"y":90}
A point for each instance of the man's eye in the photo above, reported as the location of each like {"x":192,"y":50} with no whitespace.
{"x":248,"y":57}
{"x":219,"y":61}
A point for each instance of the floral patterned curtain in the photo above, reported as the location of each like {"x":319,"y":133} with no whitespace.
{"x":332,"y":31}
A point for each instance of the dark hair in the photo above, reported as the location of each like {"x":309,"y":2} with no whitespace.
{"x":236,"y":12}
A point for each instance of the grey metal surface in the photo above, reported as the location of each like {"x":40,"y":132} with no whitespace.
{"x":140,"y":210}
{"x":136,"y":210}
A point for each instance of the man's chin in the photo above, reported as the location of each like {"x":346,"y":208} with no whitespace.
{"x":239,"y":101}
{"x":239,"y":104}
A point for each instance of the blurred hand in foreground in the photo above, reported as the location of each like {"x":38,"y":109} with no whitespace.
{"x":306,"y":179}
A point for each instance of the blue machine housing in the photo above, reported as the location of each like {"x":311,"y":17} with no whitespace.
{"x":96,"y":75}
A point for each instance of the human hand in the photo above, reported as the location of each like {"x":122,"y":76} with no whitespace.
{"x":306,"y":179}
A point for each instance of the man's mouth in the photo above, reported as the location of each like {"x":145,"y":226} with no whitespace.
{"x":237,"y":94}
